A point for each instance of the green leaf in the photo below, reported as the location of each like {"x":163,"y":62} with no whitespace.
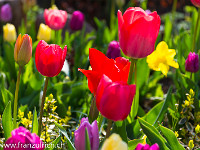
{"x":87,"y":140}
{"x":165,"y":105}
{"x":171,"y":138}
{"x":153,"y":134}
{"x":64,"y":132}
{"x":133,"y":143}
{"x":35,"y":122}
{"x":135,"y":104}
{"x":121,"y":130}
{"x":54,"y":143}
{"x":7,"y":121}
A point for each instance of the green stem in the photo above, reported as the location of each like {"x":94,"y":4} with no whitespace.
{"x":16,"y":98}
{"x":195,"y":31}
{"x":131,"y":71}
{"x":100,"y":121}
{"x":135,"y":72}
{"x":42,"y":106}
{"x":108,"y":128}
{"x":174,"y":11}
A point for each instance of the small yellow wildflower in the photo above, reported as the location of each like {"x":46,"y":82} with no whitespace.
{"x":176,"y":134}
{"x":30,"y":115}
{"x":20,"y":114}
{"x":191,"y":144}
{"x":197,"y":129}
{"x":162,"y":58}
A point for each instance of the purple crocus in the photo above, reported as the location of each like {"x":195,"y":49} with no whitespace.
{"x":192,"y":62}
{"x":147,"y":147}
{"x":92,"y":132}
{"x":77,"y":20}
{"x":113,"y":50}
{"x":23,"y":139}
{"x":6,"y":13}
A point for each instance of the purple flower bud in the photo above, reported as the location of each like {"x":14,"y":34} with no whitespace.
{"x":154,"y":147}
{"x":192,"y":62}
{"x":77,"y":20}
{"x":142,"y":147}
{"x":92,"y":132}
{"x":24,"y":139}
{"x":6,"y":13}
{"x":113,"y":50}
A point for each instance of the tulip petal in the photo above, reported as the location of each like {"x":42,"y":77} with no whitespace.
{"x":17,"y":46}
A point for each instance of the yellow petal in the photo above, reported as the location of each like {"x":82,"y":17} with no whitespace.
{"x":164,"y":68}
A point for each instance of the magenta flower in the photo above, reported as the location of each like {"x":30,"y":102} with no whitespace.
{"x":77,"y":20}
{"x":196,"y":3}
{"x":147,"y":147}
{"x":92,"y":132}
{"x":6,"y":13}
{"x":192,"y":62}
{"x":23,"y":139}
{"x":113,"y":50}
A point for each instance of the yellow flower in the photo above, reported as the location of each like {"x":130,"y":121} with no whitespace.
{"x":20,"y":114}
{"x":9,"y":33}
{"x":191,"y":144}
{"x":197,"y":129}
{"x":44,"y":33}
{"x":176,"y":133}
{"x":114,"y":142}
{"x":162,"y":58}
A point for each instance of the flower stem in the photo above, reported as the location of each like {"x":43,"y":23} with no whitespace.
{"x":174,"y":11}
{"x":135,"y":72}
{"x":42,"y":106}
{"x":108,"y":128}
{"x":131,"y":71}
{"x":195,"y":31}
{"x":16,"y":98}
{"x":100,"y":121}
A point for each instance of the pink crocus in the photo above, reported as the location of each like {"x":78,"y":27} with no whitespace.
{"x":23,"y":139}
{"x":138,"y":32}
{"x":93,"y":134}
{"x":114,"y":99}
{"x":55,"y":18}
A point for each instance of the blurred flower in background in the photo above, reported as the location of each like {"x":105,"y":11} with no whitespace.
{"x":77,"y":20}
{"x":114,"y":142}
{"x":55,"y":18}
{"x":113,"y":50}
{"x":28,"y":4}
{"x":162,"y":58}
{"x":93,"y":134}
{"x":6,"y":13}
{"x":147,"y":147}
{"x":196,"y":3}
{"x":192,"y":62}
{"x":9,"y":33}
{"x":44,"y":33}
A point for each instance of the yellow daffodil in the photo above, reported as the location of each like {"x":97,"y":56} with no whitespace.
{"x":44,"y":33}
{"x":114,"y":142}
{"x":162,"y":58}
{"x":9,"y":33}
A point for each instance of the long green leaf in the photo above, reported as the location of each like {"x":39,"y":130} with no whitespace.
{"x":87,"y":140}
{"x":171,"y":138}
{"x":153,"y":134}
{"x":121,"y":130}
{"x":7,"y":121}
{"x":133,"y":143}
{"x":35,"y":122}
{"x":54,"y":143}
{"x":64,"y":132}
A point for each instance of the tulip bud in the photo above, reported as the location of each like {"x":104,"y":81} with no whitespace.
{"x":9,"y":32}
{"x":113,"y":50}
{"x":44,"y":33}
{"x":196,"y":3}
{"x":23,"y":49}
{"x":192,"y":62}
{"x":114,"y":142}
{"x":93,"y":134}
{"x":22,"y":138}
{"x":6,"y":13}
{"x":77,"y":20}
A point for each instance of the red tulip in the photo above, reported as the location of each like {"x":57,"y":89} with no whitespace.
{"x":138,"y":32}
{"x":114,"y":99}
{"x":196,"y":3}
{"x":49,"y":59}
{"x":116,"y":70}
{"x":55,"y":18}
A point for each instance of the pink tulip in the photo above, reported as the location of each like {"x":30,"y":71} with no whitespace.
{"x":93,"y":134}
{"x":138,"y":32}
{"x":196,"y":3}
{"x":77,"y":20}
{"x":192,"y":62}
{"x":55,"y":18}
{"x":147,"y":147}
{"x":114,"y":99}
